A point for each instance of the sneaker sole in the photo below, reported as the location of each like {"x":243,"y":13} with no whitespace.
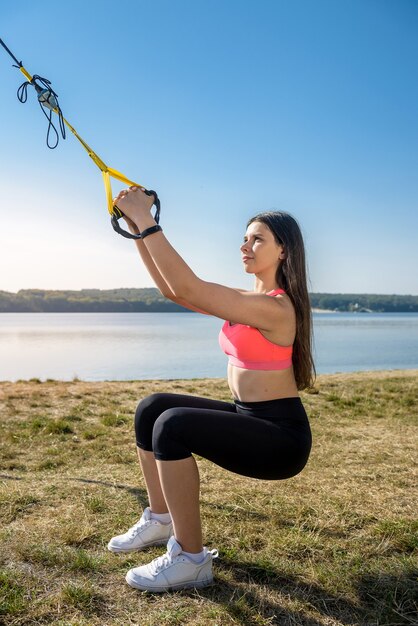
{"x":186,"y":585}
{"x":117,"y":550}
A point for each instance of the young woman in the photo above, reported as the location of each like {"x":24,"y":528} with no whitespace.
{"x":264,"y":433}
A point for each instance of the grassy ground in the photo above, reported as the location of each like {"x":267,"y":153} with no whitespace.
{"x":332,"y":546}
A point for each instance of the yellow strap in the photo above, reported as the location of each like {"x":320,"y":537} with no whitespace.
{"x":106,"y":171}
{"x":122,"y":178}
{"x":25,"y":73}
{"x":108,"y":189}
{"x":98,"y":161}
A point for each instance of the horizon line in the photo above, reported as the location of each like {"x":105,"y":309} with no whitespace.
{"x":334,"y":293}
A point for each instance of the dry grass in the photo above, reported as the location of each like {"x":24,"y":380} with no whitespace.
{"x":332,"y":546}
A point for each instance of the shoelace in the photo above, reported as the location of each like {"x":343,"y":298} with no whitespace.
{"x":160,"y":563}
{"x":166,"y":559}
{"x":136,"y":528}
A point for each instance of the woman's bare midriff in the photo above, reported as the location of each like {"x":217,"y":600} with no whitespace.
{"x":261,"y":385}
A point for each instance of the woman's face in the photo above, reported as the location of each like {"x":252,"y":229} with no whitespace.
{"x":260,"y":251}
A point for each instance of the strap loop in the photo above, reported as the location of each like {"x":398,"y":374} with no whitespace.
{"x":117,"y":215}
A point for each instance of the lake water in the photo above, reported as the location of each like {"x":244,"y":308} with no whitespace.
{"x":132,"y":346}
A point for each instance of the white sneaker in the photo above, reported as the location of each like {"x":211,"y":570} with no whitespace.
{"x":146,"y":532}
{"x":174,"y":570}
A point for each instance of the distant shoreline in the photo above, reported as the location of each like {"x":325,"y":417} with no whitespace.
{"x":151,"y":300}
{"x":210,"y":380}
{"x":183,"y":310}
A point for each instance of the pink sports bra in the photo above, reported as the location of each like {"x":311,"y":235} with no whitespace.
{"x":247,"y":348}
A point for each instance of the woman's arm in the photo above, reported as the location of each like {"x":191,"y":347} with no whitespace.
{"x":154,"y":273}
{"x":255,"y":310}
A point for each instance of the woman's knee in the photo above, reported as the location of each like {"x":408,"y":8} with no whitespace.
{"x":167,"y":436}
{"x":149,"y":406}
{"x":147,"y":412}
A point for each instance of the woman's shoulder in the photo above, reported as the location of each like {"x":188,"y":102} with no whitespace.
{"x":277,"y":294}
{"x":286,"y":305}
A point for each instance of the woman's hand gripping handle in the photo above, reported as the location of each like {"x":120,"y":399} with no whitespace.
{"x":117,"y":213}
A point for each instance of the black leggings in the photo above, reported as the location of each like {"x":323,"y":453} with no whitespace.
{"x":269,"y":440}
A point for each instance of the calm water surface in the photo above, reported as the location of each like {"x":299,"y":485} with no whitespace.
{"x":131,"y":346}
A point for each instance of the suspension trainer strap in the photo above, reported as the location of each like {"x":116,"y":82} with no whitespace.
{"x":48,"y":98}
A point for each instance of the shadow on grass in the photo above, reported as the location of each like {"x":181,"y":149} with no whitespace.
{"x":393,"y":599}
{"x":140,"y":494}
{"x":7,"y":477}
{"x":383,"y":599}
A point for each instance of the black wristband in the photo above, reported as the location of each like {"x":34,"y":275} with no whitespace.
{"x":150,"y":231}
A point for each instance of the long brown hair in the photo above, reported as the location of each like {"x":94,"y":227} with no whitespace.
{"x":291,"y":276}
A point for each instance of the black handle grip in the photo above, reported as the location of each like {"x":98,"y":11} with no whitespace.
{"x":117,"y":215}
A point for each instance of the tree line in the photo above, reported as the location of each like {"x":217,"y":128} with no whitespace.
{"x":150,"y":300}
{"x":365,"y":303}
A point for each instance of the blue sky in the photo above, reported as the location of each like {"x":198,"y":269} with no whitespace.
{"x":226,"y":108}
